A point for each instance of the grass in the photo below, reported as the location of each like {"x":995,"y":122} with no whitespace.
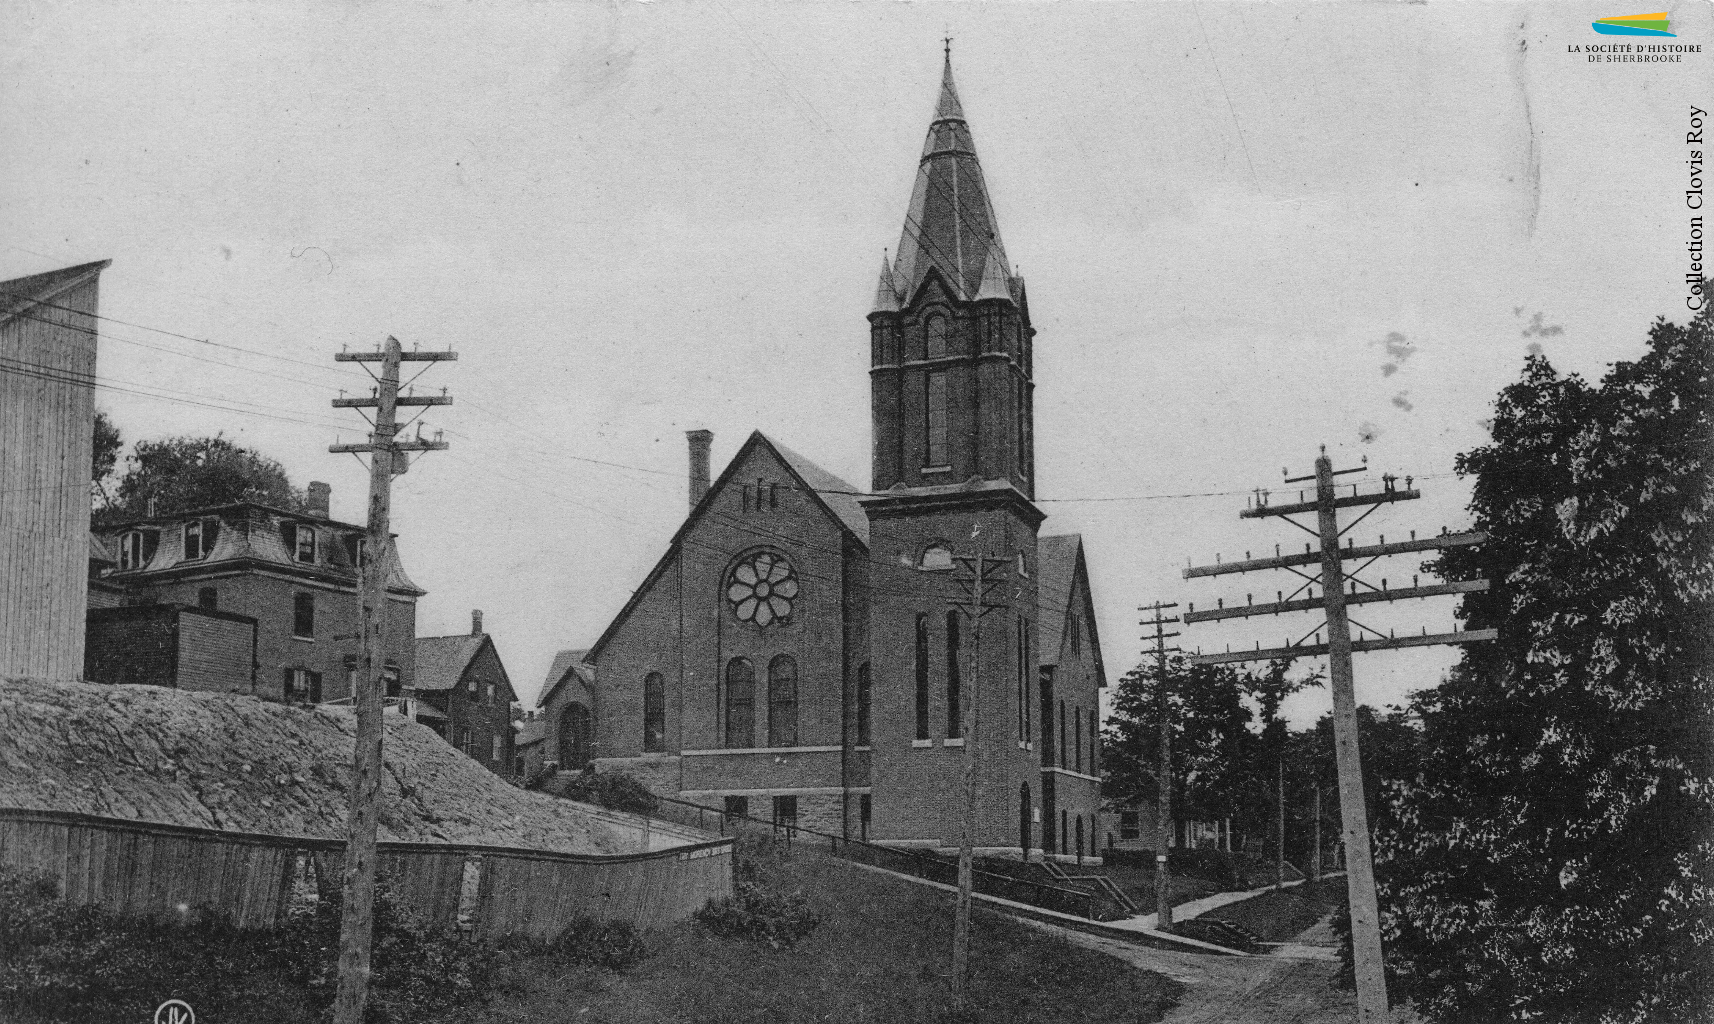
{"x":880,"y":954}
{"x":1279,"y":916}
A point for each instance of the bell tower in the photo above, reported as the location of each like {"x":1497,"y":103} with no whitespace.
{"x":954,"y":476}
{"x":950,"y":336}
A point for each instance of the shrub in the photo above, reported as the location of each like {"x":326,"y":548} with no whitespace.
{"x":615,"y":945}
{"x":615,"y":791}
{"x":65,"y":962}
{"x":761,"y":914}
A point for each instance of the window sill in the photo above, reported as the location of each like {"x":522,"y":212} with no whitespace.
{"x":863,"y":748}
{"x":922,"y":743}
{"x":305,"y":639}
{"x":933,"y":470}
{"x":954,"y":742}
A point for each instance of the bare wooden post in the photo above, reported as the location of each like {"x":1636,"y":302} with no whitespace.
{"x":1315,"y":855}
{"x":984,"y":571}
{"x":1279,"y":861}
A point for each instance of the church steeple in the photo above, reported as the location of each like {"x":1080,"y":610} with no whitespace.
{"x":950,"y":226}
{"x":951,"y":339}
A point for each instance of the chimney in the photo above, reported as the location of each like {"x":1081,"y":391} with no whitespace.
{"x":318,"y":497}
{"x":476,"y":622}
{"x":700,"y":442}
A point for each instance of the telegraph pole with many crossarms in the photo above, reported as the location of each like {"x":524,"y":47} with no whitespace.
{"x":978,"y":575}
{"x":387,"y":457}
{"x":1334,"y":602}
{"x":1163,"y":811}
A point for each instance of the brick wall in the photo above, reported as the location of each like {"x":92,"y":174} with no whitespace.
{"x":216,"y":652}
{"x":480,"y":716}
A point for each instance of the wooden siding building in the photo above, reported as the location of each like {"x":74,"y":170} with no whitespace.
{"x":47,"y":427}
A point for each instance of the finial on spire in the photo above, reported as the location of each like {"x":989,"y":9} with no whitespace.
{"x":946,"y":42}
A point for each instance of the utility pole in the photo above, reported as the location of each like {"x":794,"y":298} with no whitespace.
{"x":978,"y":575}
{"x":386,"y":459}
{"x":1315,"y":855}
{"x":1163,"y":811}
{"x":1279,"y":858}
{"x":1334,"y":602}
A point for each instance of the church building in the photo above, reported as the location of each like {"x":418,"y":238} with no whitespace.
{"x":800,"y":652}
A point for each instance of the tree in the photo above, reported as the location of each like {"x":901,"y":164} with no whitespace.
{"x":1222,"y":767}
{"x":104,"y":456}
{"x":1553,"y":858}
{"x":179,"y":473}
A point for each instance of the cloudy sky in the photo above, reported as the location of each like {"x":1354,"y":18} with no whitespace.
{"x":1247,"y":230}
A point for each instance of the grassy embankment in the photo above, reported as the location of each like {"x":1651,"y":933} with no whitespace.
{"x":1278,"y":916}
{"x":879,"y":953}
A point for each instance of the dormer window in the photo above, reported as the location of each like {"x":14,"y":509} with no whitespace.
{"x":199,"y":537}
{"x":131,"y":550}
{"x":303,"y":544}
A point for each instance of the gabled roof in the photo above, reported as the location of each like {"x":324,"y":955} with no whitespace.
{"x":533,"y":731}
{"x":1059,"y":564}
{"x":441,"y":660}
{"x":836,"y":497}
{"x":19,"y":293}
{"x":565,"y":663}
{"x":950,"y":228}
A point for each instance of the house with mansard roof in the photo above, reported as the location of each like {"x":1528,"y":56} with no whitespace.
{"x":797,"y":651}
{"x":293,"y":574}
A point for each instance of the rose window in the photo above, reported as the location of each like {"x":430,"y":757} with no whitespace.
{"x":762,"y":589}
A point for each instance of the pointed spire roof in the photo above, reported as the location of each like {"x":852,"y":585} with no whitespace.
{"x":950,"y":226}
{"x":886,"y":298}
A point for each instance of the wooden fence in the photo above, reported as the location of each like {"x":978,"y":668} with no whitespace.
{"x":145,"y":868}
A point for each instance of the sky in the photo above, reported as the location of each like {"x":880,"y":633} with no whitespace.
{"x":1248,"y":230}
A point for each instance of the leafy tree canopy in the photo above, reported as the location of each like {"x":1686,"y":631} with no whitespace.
{"x":1552,"y":861}
{"x":181,"y":473}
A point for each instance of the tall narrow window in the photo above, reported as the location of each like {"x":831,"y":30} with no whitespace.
{"x":1023,"y":440}
{"x":782,"y":702}
{"x":954,"y":701}
{"x":740,"y":703}
{"x":865,"y":811}
{"x":1094,"y":737}
{"x":390,"y":682}
{"x":934,"y":337}
{"x":1076,"y":636}
{"x":193,"y":539}
{"x":864,"y":695}
{"x":1044,"y":692}
{"x":1018,"y":650}
{"x":654,"y":712}
{"x":208,"y":598}
{"x":935,"y":419}
{"x":922,"y":677}
{"x":1062,"y":734}
{"x":1029,"y":660}
{"x":131,"y":550}
{"x":1077,"y":736}
{"x":303,"y":615}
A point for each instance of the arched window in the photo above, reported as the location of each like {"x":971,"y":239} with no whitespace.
{"x":574,"y":736}
{"x":1062,"y":751}
{"x":864,"y":695}
{"x":954,"y":705}
{"x":1064,"y":831}
{"x":1080,"y":839}
{"x":740,"y":703}
{"x":782,"y":702}
{"x":922,"y":677}
{"x":936,"y":556}
{"x":654,"y":712}
{"x":934,"y":336}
